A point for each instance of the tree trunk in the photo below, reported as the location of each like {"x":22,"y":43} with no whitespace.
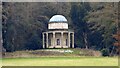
{"x":112,"y":51}
{"x":85,"y":40}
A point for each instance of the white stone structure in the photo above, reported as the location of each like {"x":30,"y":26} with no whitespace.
{"x":58,"y":36}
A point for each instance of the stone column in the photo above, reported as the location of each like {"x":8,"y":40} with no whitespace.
{"x":43,"y":41}
{"x":54,"y":39}
{"x":69,"y":39}
{"x":46,"y":40}
{"x":62,"y":39}
{"x":72,"y":40}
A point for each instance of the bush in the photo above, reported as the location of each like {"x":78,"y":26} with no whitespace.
{"x":105,"y":52}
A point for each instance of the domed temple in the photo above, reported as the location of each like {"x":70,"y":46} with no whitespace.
{"x":58,"y":34}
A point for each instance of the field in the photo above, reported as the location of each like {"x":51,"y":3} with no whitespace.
{"x":61,"y":61}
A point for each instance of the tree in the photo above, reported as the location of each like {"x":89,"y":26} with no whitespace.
{"x":117,"y":37}
{"x":102,"y":25}
{"x":78,"y":13}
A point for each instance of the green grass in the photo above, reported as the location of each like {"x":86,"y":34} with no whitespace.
{"x":61,"y":61}
{"x":0,"y":62}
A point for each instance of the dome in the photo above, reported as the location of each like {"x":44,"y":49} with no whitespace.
{"x":58,"y":18}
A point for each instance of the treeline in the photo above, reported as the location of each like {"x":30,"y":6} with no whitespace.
{"x":93,"y":24}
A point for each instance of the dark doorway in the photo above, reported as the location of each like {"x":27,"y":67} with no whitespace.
{"x":58,"y":41}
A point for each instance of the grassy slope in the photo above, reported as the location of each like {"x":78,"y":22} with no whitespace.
{"x":52,"y":52}
{"x":61,"y":61}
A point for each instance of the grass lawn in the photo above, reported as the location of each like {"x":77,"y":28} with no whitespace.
{"x":61,"y":61}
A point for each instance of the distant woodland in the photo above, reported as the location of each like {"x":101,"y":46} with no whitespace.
{"x":94,"y":24}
